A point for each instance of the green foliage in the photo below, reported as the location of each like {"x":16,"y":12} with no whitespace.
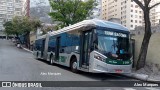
{"x":12,"y":27}
{"x":70,"y":11}
{"x":8,"y":28}
{"x":46,"y":29}
{"x":21,"y":25}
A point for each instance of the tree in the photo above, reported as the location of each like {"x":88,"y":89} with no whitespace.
{"x":27,"y":26}
{"x":22,"y":26}
{"x":70,"y":11}
{"x":8,"y":27}
{"x":12,"y":27}
{"x":47,"y":28}
{"x":147,"y":35}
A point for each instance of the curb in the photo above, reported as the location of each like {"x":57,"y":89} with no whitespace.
{"x":142,"y":77}
{"x":27,"y":50}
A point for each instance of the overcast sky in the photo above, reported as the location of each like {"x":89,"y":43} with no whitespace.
{"x":34,"y":3}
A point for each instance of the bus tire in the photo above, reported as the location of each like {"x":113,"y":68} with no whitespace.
{"x":51,"y":60}
{"x":73,"y":65}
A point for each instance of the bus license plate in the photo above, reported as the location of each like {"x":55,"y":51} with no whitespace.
{"x":118,"y":70}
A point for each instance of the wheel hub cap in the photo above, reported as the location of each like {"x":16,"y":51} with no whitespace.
{"x":74,"y":65}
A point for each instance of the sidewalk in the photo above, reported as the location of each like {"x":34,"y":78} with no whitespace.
{"x":149,"y":73}
{"x":27,"y":50}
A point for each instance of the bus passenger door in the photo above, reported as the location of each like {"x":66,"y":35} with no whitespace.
{"x":43,"y":47}
{"x":57,"y":49}
{"x":85,"y":49}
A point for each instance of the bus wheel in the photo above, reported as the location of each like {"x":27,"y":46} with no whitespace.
{"x":73,"y":65}
{"x":51,"y":60}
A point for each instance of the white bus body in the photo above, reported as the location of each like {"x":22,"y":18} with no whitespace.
{"x":91,"y":45}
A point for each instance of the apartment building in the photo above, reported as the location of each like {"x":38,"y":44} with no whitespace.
{"x":26,"y":8}
{"x":9,"y":9}
{"x":127,"y":11}
{"x":155,"y":13}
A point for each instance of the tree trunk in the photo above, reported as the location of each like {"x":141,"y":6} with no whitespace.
{"x":28,"y":40}
{"x":18,"y":38}
{"x":146,"y":39}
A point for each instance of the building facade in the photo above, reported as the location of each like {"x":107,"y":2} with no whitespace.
{"x":155,"y":13}
{"x":9,"y":9}
{"x":127,"y":11}
{"x":26,"y":8}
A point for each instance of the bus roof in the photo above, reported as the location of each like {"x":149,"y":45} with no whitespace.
{"x":93,"y":23}
{"x":40,"y":37}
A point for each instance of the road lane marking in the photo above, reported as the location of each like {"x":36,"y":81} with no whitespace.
{"x":151,"y":88}
{"x":107,"y":89}
{"x":129,"y":89}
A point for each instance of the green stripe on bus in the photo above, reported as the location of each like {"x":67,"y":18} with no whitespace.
{"x":62,"y":58}
{"x":118,"y":62}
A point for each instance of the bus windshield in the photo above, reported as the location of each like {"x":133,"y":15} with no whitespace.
{"x":114,"y":45}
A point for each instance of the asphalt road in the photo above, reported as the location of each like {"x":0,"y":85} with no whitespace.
{"x":19,"y":65}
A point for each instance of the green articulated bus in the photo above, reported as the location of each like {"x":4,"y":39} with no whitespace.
{"x":94,"y":45}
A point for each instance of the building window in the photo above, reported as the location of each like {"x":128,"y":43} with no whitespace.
{"x":140,"y":12}
{"x":10,"y":12}
{"x":131,"y":10}
{"x":9,"y":8}
{"x":131,"y":5}
{"x":131,"y":20}
{"x":131,"y":25}
{"x":1,"y":15}
{"x":136,"y":6}
{"x":9,"y":0}
{"x":135,"y":11}
{"x":17,"y":1}
{"x":17,"y":9}
{"x":10,"y":4}
{"x":140,"y":17}
{"x":135,"y":21}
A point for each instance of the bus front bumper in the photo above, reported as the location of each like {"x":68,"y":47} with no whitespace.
{"x":102,"y":67}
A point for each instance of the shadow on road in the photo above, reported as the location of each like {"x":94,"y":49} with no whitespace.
{"x":97,"y":76}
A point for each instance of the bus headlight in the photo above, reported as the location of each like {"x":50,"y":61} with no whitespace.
{"x":99,"y":57}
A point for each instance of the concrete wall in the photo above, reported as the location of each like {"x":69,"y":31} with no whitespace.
{"x":32,"y":38}
{"x":153,"y":55}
